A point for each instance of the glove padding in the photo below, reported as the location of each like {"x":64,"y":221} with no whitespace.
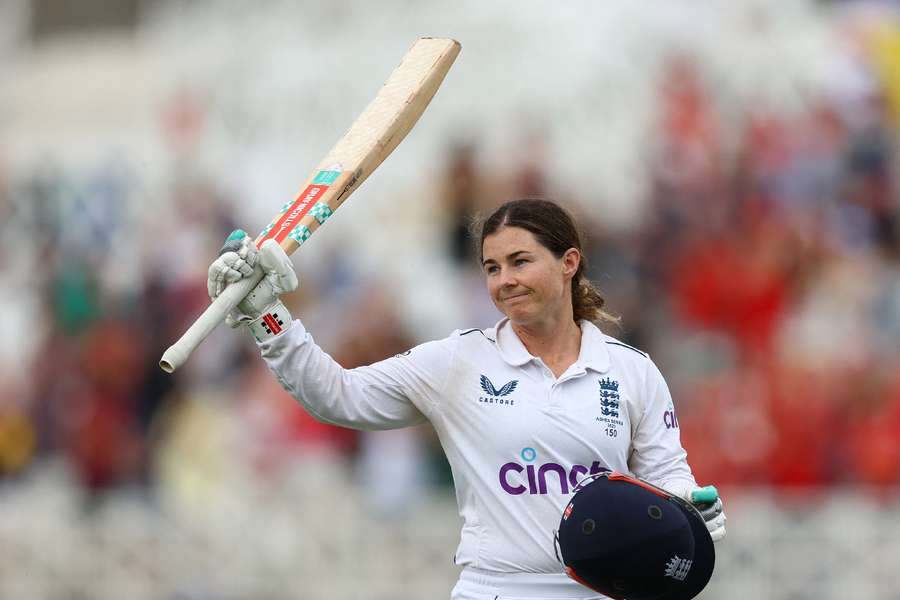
{"x":238,"y":259}
{"x":707,"y":502}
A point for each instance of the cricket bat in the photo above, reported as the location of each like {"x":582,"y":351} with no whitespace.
{"x":372,"y":137}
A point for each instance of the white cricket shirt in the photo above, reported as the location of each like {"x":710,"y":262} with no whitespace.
{"x":517,"y":438}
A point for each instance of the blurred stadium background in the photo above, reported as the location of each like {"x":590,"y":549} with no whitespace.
{"x":735,"y":168}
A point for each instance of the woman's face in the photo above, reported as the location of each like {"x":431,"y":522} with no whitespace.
{"x":527,"y":283}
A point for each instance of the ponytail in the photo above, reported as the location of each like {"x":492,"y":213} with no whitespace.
{"x":588,"y":303}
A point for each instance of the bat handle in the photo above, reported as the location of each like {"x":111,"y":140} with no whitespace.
{"x":214,"y":314}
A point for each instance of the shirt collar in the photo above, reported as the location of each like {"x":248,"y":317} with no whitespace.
{"x":594,"y":353}
{"x":512,"y":350}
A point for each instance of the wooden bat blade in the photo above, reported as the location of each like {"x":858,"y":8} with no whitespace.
{"x":372,"y":137}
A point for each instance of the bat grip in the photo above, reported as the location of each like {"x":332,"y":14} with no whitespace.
{"x":214,"y":314}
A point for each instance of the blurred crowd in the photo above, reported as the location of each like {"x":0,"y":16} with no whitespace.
{"x":777,"y":265}
{"x":763,"y":278}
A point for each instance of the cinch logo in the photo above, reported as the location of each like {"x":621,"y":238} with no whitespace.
{"x":669,"y":418}
{"x":534,"y":480}
{"x":495,"y":396}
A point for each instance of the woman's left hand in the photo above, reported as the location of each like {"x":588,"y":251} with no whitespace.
{"x":709,"y":504}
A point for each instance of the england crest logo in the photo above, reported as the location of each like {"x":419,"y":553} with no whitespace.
{"x":609,"y":398}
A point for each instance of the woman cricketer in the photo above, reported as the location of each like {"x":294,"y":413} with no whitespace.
{"x":523,"y":410}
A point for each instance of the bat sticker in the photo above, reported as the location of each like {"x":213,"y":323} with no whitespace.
{"x":300,"y":234}
{"x":289,"y":219}
{"x":326,"y":177}
{"x":321,"y":212}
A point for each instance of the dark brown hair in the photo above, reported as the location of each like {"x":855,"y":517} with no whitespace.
{"x":554,"y":228}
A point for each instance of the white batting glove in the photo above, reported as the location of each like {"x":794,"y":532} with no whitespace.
{"x":236,"y":260}
{"x":707,"y":502}
{"x":262,"y":310}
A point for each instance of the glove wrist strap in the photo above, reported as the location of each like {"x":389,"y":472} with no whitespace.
{"x":274,"y":321}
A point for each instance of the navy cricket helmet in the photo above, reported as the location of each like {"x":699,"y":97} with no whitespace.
{"x":631,"y":540}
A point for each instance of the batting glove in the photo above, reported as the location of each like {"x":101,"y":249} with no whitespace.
{"x":707,"y":502}
{"x":262,"y":310}
{"x":236,"y":260}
